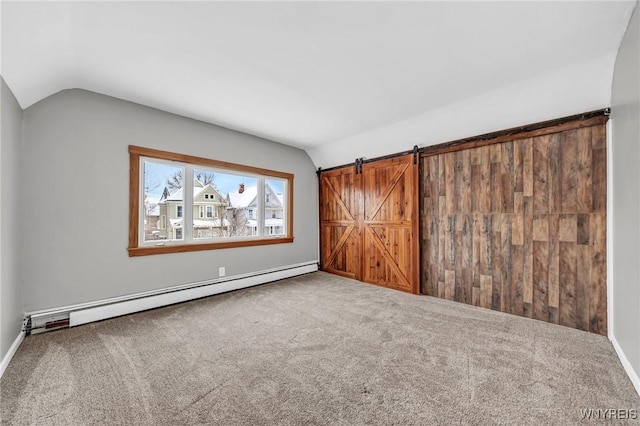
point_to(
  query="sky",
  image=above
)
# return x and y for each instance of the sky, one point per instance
(156, 176)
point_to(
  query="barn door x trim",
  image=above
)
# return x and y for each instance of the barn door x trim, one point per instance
(369, 222)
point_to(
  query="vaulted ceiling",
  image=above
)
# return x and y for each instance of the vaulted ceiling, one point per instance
(338, 79)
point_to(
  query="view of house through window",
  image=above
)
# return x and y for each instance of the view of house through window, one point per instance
(220, 204)
(162, 201)
(217, 195)
(274, 206)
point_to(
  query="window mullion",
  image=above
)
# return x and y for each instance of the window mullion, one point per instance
(284, 213)
(188, 203)
(260, 206)
(143, 190)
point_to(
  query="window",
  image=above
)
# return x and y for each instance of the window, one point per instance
(161, 201)
(226, 203)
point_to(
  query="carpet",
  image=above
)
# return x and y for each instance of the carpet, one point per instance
(317, 349)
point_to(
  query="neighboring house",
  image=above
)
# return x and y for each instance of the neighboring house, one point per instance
(151, 219)
(209, 213)
(242, 211)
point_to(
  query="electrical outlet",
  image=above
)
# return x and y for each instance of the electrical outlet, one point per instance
(221, 271)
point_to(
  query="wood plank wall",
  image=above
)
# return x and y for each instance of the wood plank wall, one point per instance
(520, 227)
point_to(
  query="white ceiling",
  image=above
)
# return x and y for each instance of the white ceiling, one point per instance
(333, 78)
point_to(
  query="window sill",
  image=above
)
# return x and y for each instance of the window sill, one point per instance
(183, 248)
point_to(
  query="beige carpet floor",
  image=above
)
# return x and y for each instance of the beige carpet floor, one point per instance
(315, 349)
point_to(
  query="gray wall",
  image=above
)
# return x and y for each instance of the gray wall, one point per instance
(626, 193)
(10, 194)
(76, 168)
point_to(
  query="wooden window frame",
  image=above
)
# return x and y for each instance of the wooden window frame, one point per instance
(135, 249)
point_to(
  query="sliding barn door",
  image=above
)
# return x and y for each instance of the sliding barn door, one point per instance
(390, 223)
(340, 236)
(520, 227)
(369, 223)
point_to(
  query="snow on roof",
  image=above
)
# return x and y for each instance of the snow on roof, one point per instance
(238, 200)
(209, 223)
(176, 196)
(267, 222)
(197, 189)
(177, 223)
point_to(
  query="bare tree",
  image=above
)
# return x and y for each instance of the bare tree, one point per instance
(207, 178)
(232, 224)
(238, 223)
(176, 181)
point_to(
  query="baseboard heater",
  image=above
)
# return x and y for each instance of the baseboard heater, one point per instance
(73, 315)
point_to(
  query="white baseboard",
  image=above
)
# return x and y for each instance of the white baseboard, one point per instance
(142, 302)
(12, 351)
(633, 375)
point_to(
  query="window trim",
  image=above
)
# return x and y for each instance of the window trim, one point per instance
(135, 249)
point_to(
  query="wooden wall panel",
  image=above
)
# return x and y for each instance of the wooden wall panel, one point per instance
(520, 227)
